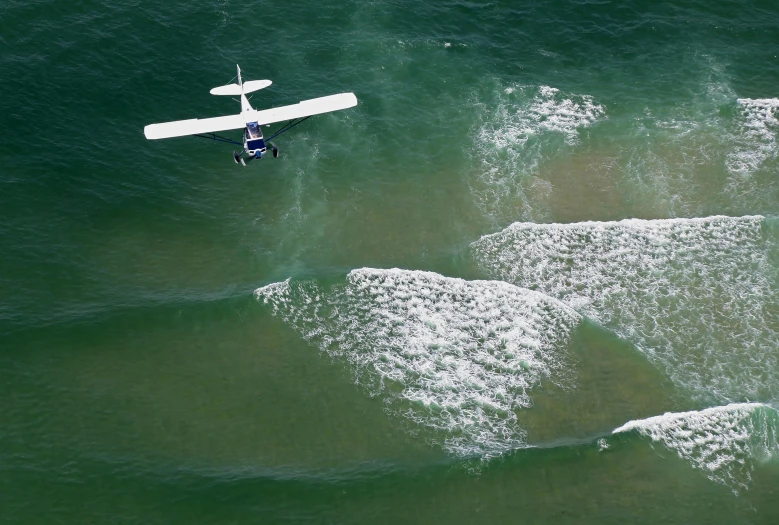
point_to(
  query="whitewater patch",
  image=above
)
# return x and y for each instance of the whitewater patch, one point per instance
(458, 358)
(726, 443)
(755, 140)
(696, 296)
(549, 111)
(525, 125)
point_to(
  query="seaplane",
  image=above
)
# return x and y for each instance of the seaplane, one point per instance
(255, 145)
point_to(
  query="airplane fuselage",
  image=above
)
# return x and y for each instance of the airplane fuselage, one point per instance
(253, 141)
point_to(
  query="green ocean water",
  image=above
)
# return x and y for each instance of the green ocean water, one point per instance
(533, 277)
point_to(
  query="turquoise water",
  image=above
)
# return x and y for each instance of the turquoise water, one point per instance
(531, 277)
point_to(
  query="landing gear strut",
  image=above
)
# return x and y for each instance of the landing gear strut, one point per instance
(239, 159)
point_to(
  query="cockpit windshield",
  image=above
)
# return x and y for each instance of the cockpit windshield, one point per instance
(253, 130)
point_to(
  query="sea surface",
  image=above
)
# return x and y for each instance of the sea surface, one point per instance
(533, 277)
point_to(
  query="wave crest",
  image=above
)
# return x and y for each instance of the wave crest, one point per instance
(456, 357)
(695, 295)
(724, 442)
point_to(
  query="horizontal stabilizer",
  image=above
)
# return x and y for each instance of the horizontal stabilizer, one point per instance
(234, 89)
(251, 86)
(229, 89)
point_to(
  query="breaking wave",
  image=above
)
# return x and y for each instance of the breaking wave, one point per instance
(725, 442)
(456, 357)
(697, 296)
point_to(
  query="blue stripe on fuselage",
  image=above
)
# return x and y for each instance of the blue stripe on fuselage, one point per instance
(255, 144)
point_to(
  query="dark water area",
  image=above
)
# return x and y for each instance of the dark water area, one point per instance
(532, 276)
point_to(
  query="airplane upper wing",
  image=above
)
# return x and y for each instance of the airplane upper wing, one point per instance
(315, 106)
(180, 128)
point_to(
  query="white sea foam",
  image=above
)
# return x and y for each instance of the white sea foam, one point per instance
(756, 140)
(517, 117)
(508, 136)
(725, 442)
(695, 295)
(457, 357)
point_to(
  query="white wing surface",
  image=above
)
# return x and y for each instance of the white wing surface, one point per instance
(315, 106)
(229, 89)
(248, 87)
(180, 128)
(251, 86)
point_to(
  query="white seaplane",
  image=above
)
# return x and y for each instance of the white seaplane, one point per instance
(250, 120)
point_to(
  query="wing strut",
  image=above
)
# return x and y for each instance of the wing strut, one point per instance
(214, 136)
(288, 126)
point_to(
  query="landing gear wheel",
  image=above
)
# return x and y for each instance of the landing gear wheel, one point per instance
(275, 150)
(236, 157)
